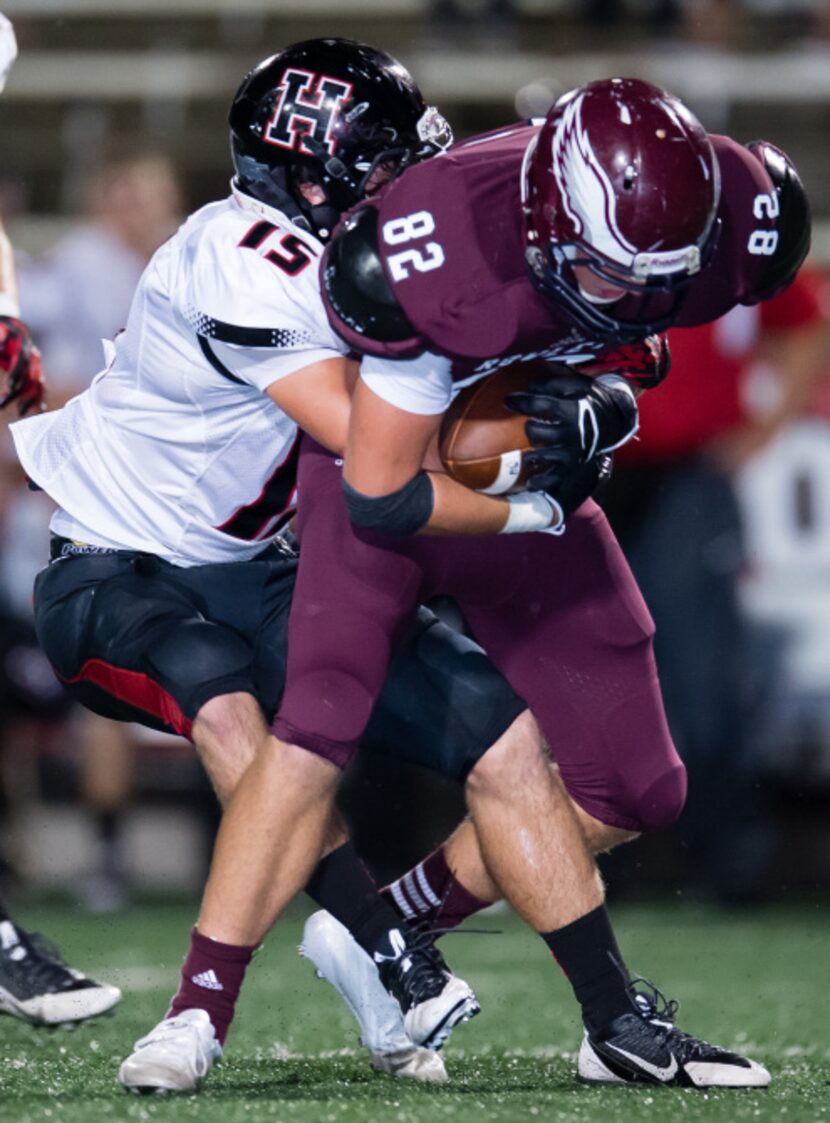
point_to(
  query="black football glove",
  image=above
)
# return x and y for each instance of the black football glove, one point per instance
(21, 377)
(644, 365)
(573, 419)
(568, 487)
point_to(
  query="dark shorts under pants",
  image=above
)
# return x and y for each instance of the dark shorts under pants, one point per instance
(137, 639)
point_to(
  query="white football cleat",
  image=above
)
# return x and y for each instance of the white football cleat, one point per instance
(176, 1056)
(343, 963)
(38, 987)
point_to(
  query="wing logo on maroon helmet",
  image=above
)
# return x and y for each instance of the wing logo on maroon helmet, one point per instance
(587, 193)
(307, 108)
(590, 202)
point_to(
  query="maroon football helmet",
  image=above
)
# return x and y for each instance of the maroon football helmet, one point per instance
(622, 181)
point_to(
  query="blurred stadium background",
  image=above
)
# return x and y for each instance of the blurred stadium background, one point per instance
(113, 124)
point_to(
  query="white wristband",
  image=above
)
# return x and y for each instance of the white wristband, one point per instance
(9, 306)
(533, 510)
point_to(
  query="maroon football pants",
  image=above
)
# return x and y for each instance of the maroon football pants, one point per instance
(561, 618)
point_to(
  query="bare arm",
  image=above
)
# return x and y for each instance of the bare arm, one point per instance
(386, 448)
(318, 398)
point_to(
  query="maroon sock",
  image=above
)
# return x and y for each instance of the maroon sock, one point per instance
(212, 975)
(431, 892)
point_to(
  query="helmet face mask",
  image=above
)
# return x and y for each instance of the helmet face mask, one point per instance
(332, 113)
(620, 184)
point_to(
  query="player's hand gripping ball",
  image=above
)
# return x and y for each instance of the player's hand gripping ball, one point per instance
(21, 376)
(532, 423)
(488, 446)
(483, 443)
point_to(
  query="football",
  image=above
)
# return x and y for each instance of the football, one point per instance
(481, 440)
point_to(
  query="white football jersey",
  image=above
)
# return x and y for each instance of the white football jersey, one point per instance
(175, 449)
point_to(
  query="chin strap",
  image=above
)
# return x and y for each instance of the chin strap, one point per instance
(268, 185)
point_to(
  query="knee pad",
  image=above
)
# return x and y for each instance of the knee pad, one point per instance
(326, 712)
(659, 805)
(666, 798)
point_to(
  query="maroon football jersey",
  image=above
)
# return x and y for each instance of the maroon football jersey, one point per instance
(451, 240)
(747, 236)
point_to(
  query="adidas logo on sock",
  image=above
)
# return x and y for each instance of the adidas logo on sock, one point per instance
(208, 980)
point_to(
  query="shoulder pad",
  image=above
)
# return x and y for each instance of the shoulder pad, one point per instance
(356, 287)
(793, 223)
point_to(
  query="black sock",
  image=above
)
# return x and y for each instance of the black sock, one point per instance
(342, 885)
(587, 952)
(107, 823)
(3, 914)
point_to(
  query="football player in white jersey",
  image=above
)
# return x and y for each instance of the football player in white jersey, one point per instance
(168, 595)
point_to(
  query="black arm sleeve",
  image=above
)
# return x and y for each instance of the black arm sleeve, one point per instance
(400, 513)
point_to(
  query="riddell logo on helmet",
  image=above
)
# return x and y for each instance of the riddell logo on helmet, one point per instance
(307, 108)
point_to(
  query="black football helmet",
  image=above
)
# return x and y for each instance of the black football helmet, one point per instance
(331, 112)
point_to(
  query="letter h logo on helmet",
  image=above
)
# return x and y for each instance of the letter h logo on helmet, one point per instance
(307, 108)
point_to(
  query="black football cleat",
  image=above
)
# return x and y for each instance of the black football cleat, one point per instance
(433, 1000)
(38, 987)
(644, 1047)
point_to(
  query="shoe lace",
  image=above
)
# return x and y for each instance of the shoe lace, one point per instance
(659, 1012)
(419, 973)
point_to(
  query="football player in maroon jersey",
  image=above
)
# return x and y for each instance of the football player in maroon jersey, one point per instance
(614, 219)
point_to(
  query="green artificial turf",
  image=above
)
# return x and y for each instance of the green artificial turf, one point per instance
(755, 981)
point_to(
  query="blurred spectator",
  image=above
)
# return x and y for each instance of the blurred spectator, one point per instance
(713, 23)
(487, 23)
(81, 293)
(673, 505)
(661, 15)
(73, 299)
(716, 22)
(785, 501)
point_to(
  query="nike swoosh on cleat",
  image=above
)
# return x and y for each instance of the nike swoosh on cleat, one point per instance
(658, 1072)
